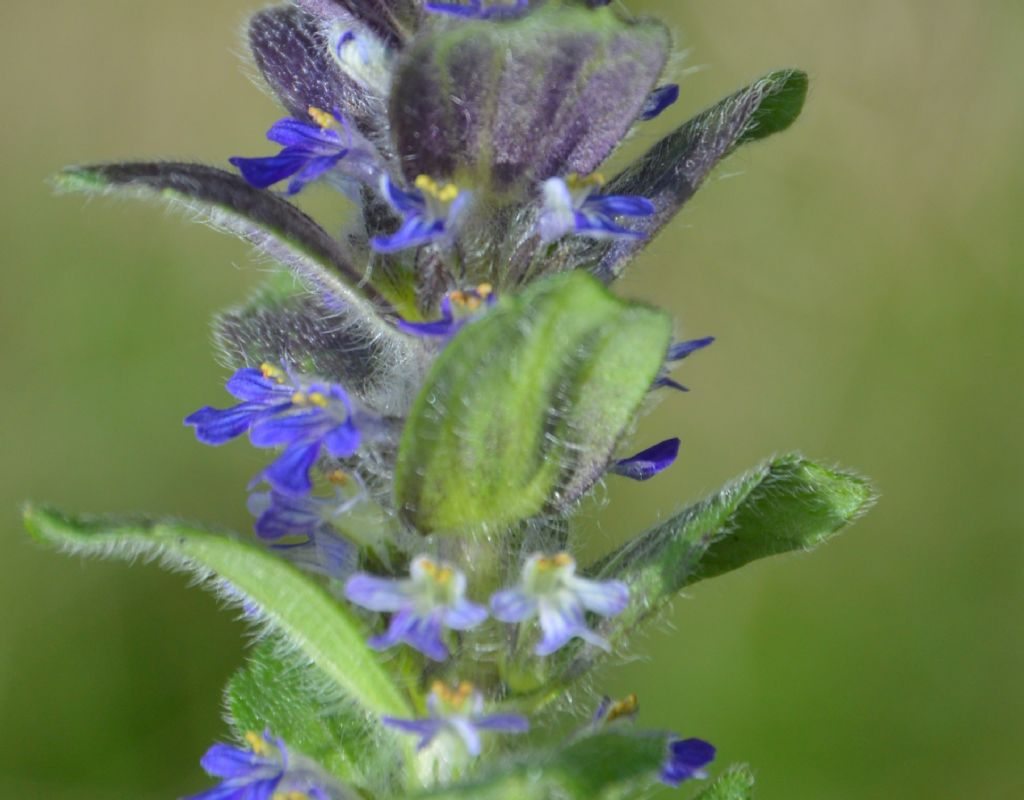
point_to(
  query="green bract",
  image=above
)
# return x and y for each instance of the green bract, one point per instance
(522, 410)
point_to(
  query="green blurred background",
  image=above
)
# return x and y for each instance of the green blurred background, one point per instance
(862, 273)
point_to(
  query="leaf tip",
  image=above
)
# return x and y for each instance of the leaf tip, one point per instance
(784, 93)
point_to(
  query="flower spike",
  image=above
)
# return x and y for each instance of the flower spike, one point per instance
(551, 591)
(430, 599)
(458, 712)
(573, 206)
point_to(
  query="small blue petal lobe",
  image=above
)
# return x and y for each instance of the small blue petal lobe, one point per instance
(658, 100)
(648, 463)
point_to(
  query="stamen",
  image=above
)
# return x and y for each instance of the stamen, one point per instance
(318, 399)
(453, 697)
(271, 372)
(626, 707)
(257, 744)
(299, 398)
(445, 193)
(321, 117)
(338, 477)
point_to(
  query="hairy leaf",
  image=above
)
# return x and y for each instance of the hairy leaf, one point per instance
(788, 504)
(671, 172)
(602, 766)
(279, 691)
(551, 93)
(267, 221)
(286, 324)
(521, 411)
(301, 611)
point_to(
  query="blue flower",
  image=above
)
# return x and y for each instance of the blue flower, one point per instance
(321, 549)
(572, 206)
(676, 353)
(647, 463)
(686, 759)
(458, 712)
(278, 409)
(430, 599)
(429, 213)
(658, 100)
(310, 151)
(457, 308)
(550, 590)
(475, 9)
(264, 771)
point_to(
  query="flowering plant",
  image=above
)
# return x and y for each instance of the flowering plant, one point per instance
(442, 385)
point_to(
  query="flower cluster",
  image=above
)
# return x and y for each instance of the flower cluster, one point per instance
(444, 384)
(434, 212)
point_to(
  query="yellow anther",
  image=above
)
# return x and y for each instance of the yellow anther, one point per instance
(626, 707)
(289, 796)
(454, 697)
(554, 562)
(318, 399)
(257, 744)
(485, 290)
(271, 372)
(440, 574)
(338, 477)
(300, 398)
(457, 297)
(321, 117)
(445, 192)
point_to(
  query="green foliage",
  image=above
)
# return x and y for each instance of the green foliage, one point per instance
(300, 610)
(282, 692)
(522, 409)
(603, 766)
(787, 504)
(782, 95)
(736, 784)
